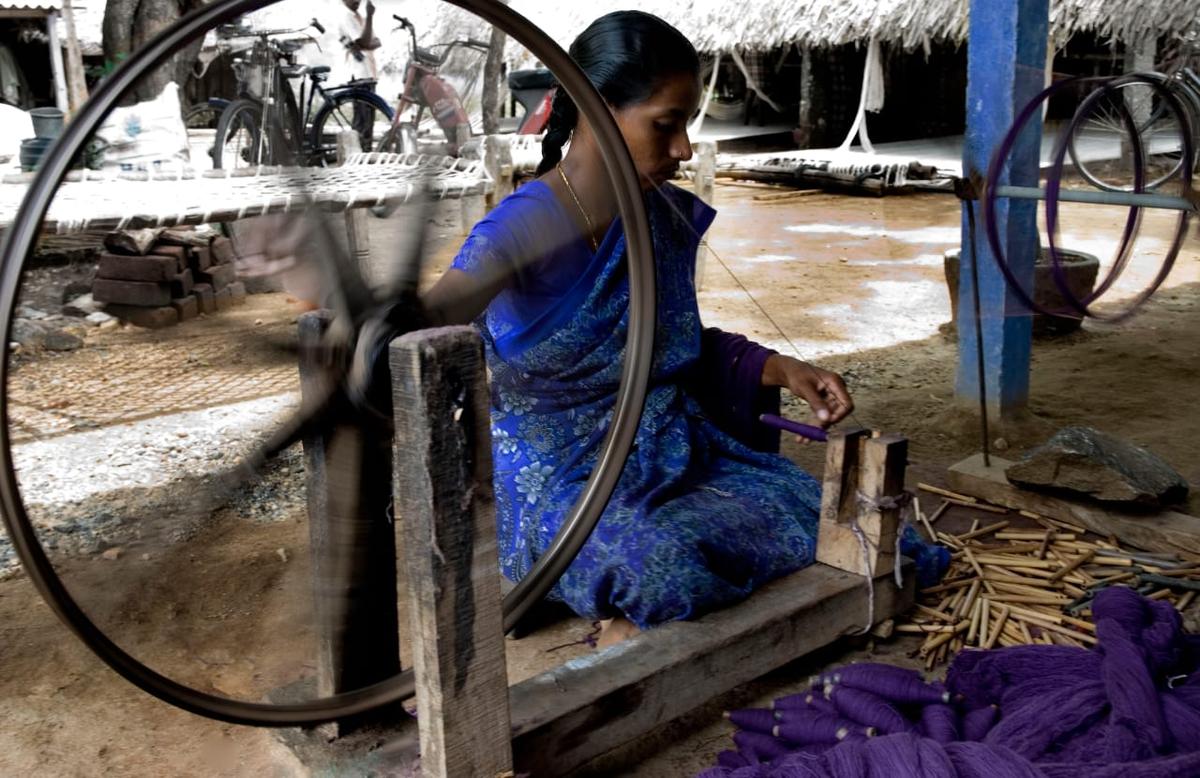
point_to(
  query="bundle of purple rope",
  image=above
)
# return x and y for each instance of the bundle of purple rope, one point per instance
(1128, 708)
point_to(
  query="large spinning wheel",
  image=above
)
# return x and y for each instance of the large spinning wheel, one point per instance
(365, 322)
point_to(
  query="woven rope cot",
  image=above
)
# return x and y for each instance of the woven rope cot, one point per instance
(91, 200)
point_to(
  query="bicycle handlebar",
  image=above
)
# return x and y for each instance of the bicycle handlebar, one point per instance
(228, 32)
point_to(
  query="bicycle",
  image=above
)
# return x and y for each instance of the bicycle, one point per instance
(425, 89)
(1115, 109)
(266, 124)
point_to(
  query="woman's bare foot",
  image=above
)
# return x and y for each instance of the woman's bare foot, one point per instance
(613, 631)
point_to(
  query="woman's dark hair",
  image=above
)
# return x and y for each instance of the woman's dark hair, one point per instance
(626, 55)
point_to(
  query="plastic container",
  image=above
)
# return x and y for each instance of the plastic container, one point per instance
(47, 122)
(32, 151)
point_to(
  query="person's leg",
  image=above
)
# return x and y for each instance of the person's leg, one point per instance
(363, 121)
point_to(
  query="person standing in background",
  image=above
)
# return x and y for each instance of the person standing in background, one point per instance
(356, 33)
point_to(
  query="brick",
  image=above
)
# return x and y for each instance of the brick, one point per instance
(142, 293)
(222, 251)
(183, 236)
(148, 268)
(181, 285)
(204, 298)
(186, 307)
(154, 318)
(237, 291)
(223, 298)
(218, 276)
(180, 254)
(200, 260)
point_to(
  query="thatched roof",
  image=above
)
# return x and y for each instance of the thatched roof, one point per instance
(720, 25)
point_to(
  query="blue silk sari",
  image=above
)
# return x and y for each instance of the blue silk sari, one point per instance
(698, 519)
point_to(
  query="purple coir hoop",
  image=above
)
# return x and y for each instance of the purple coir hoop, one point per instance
(1075, 309)
(1132, 221)
(1054, 182)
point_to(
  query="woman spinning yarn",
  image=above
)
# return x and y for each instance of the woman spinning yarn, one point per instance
(704, 511)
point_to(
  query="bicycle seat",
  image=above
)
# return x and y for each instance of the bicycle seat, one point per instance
(319, 70)
(538, 78)
(426, 57)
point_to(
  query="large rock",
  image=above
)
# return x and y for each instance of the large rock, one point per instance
(1084, 460)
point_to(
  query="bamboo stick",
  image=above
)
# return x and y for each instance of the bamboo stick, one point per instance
(1037, 583)
(975, 533)
(924, 628)
(964, 498)
(1016, 588)
(1014, 561)
(1021, 534)
(979, 506)
(979, 570)
(921, 518)
(1041, 554)
(984, 619)
(942, 638)
(935, 614)
(1072, 565)
(946, 587)
(937, 514)
(1025, 632)
(1031, 598)
(976, 612)
(994, 632)
(1003, 548)
(1185, 601)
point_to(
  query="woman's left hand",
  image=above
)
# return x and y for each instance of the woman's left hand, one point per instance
(823, 390)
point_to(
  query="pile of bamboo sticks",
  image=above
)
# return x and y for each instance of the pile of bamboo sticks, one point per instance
(1010, 586)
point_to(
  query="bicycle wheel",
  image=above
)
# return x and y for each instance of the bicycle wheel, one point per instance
(368, 116)
(1100, 146)
(399, 139)
(237, 142)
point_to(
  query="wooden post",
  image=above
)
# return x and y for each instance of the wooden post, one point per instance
(806, 123)
(497, 159)
(446, 512)
(1006, 54)
(56, 63)
(76, 80)
(861, 469)
(358, 231)
(706, 178)
(347, 474)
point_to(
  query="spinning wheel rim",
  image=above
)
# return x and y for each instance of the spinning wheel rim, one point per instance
(575, 530)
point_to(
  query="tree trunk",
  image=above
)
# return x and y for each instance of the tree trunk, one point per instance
(130, 24)
(493, 72)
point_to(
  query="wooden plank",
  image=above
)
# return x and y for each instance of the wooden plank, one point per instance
(576, 712)
(1165, 531)
(445, 513)
(352, 544)
(873, 467)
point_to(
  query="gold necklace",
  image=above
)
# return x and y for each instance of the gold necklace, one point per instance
(587, 219)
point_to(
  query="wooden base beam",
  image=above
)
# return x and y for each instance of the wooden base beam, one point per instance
(1165, 531)
(567, 716)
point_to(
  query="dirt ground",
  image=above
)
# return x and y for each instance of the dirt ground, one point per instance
(855, 283)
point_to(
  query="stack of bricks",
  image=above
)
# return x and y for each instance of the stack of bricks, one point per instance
(174, 277)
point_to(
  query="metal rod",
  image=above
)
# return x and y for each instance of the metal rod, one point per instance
(1142, 199)
(981, 373)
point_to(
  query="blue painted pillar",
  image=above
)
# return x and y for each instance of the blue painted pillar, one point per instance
(1006, 58)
